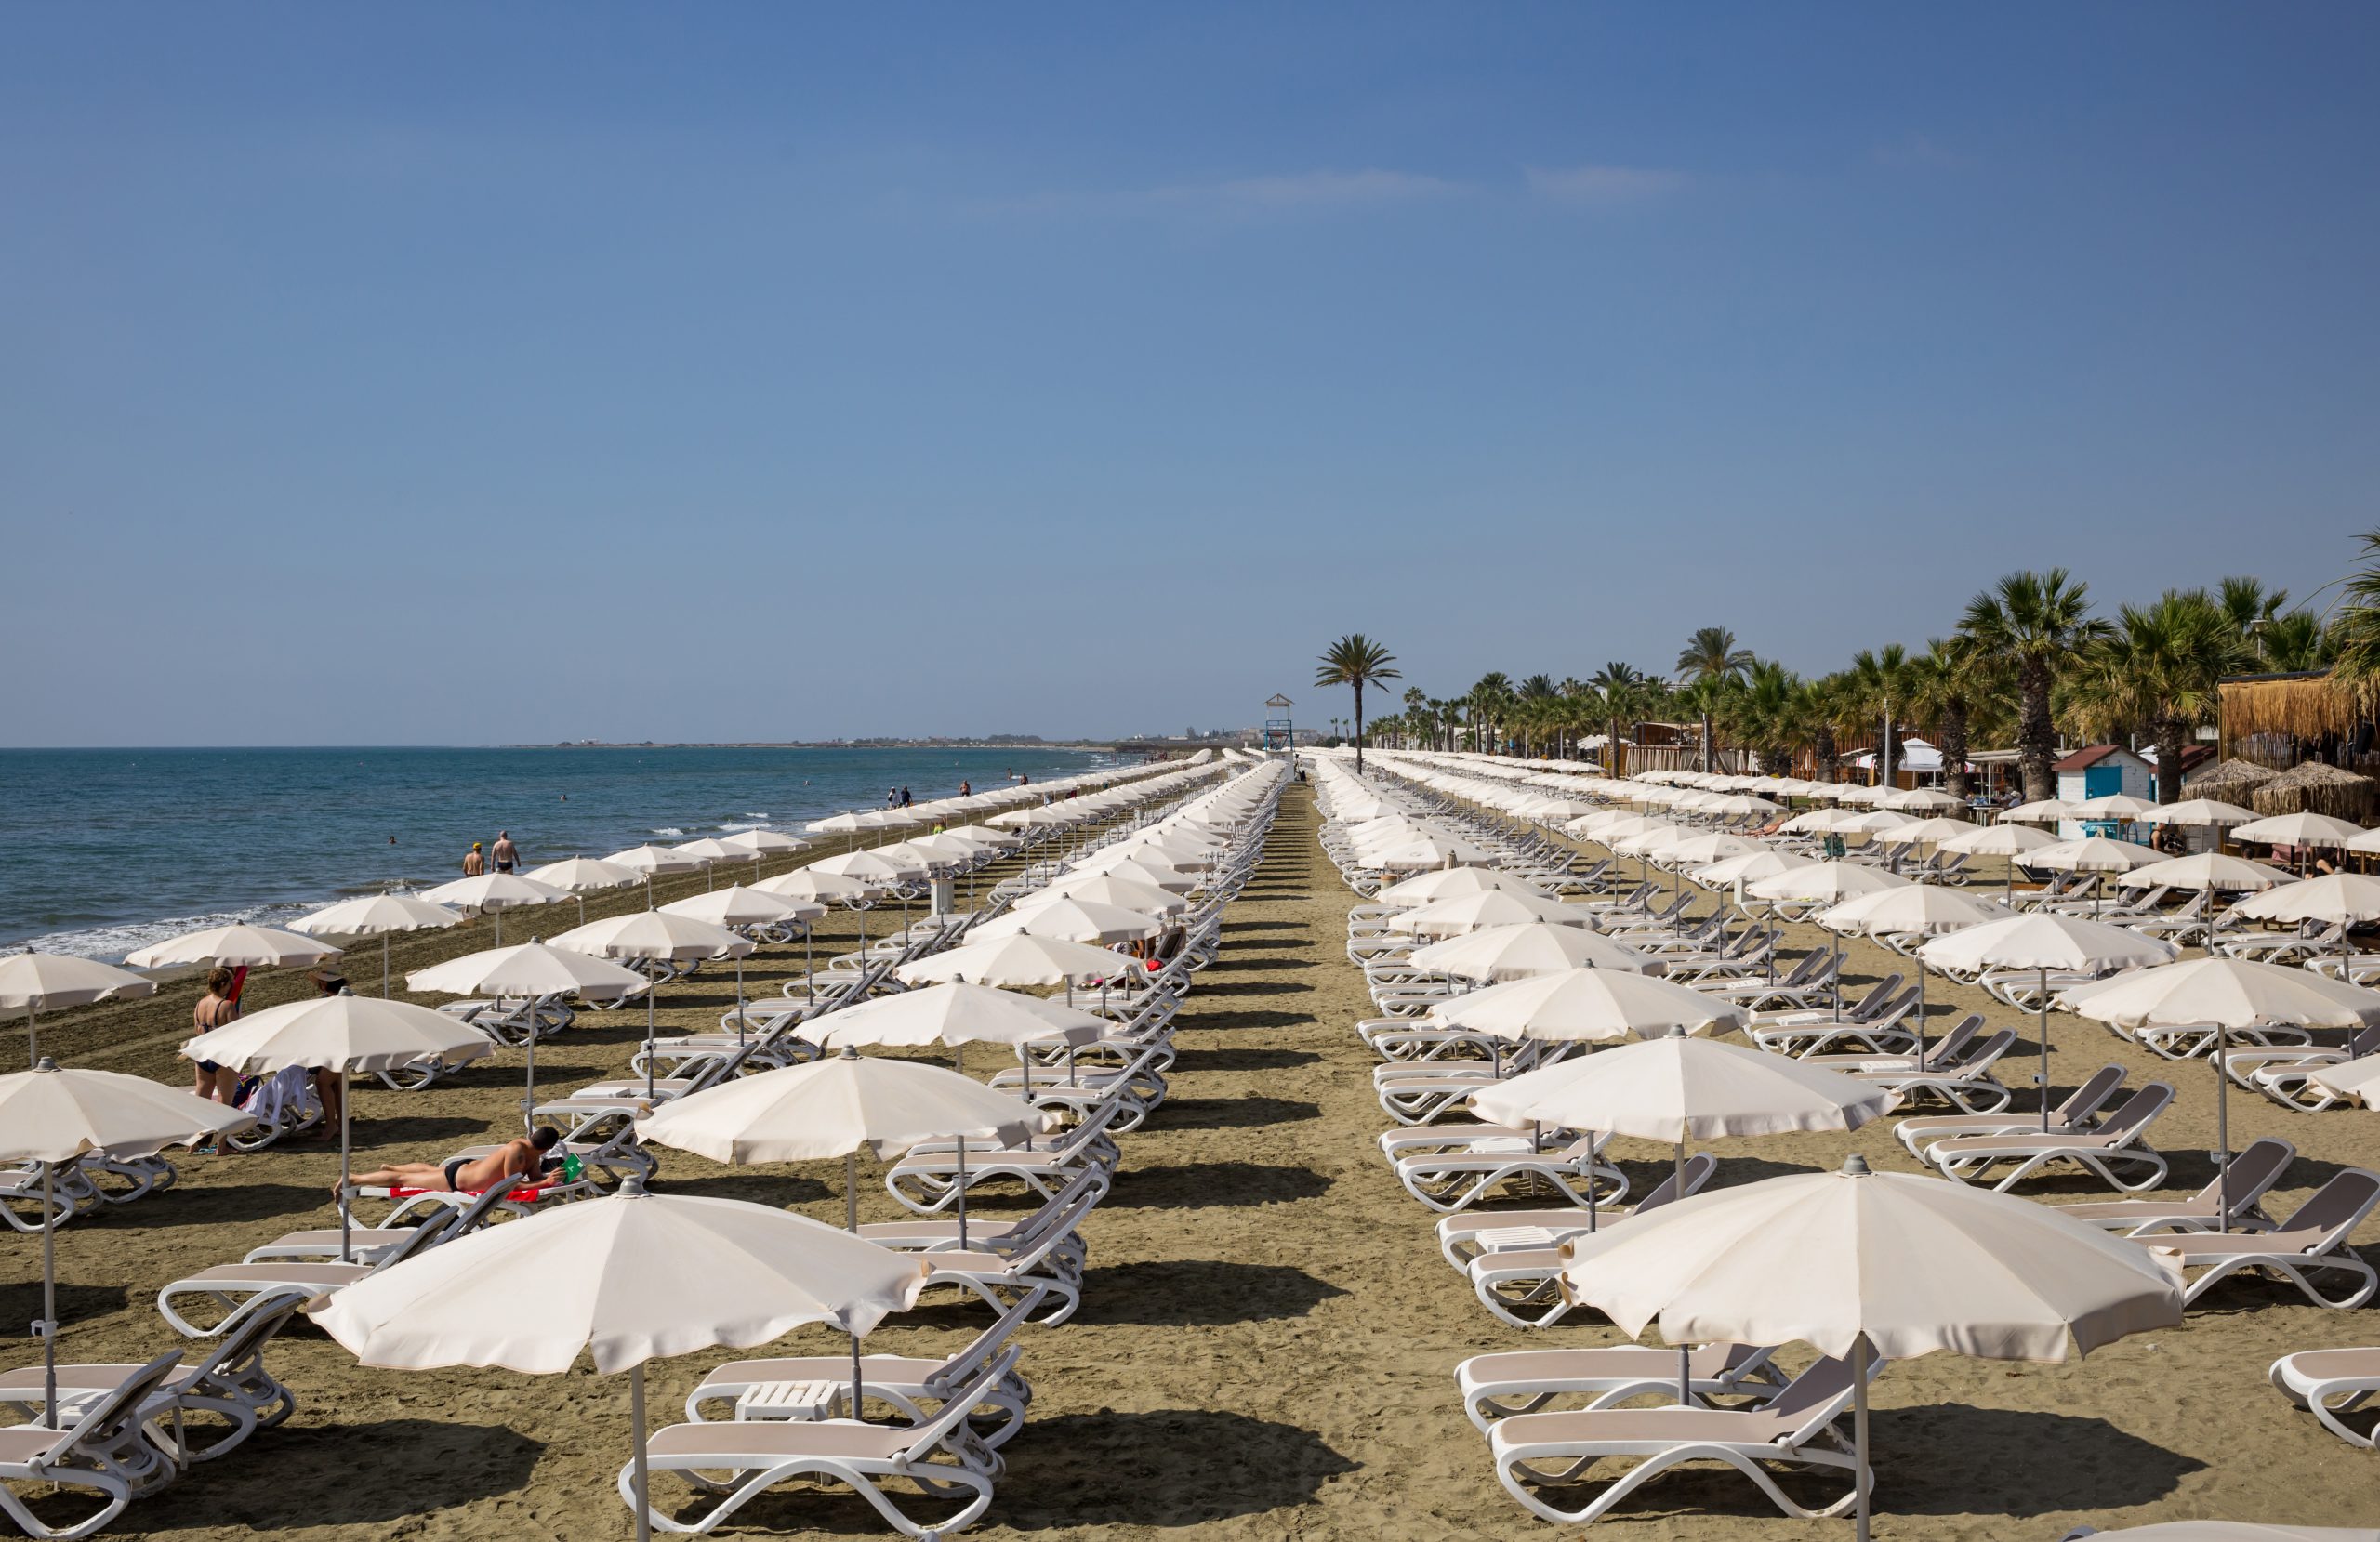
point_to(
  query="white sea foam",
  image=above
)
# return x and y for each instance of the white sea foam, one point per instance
(669, 830)
(112, 942)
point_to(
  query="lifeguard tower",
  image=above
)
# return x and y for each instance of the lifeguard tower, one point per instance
(1278, 733)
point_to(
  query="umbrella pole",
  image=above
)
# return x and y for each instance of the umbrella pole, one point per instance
(346, 1208)
(2222, 1134)
(962, 1193)
(650, 987)
(498, 916)
(530, 1101)
(1685, 1351)
(1920, 1011)
(384, 965)
(636, 1432)
(48, 1326)
(740, 1001)
(1860, 1351)
(2041, 983)
(33, 1040)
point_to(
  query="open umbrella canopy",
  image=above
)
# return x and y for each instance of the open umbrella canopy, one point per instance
(765, 842)
(338, 1032)
(2302, 828)
(1925, 908)
(1429, 851)
(709, 851)
(835, 1106)
(2199, 810)
(1462, 913)
(647, 860)
(1915, 1264)
(2047, 811)
(2205, 870)
(494, 891)
(527, 969)
(1921, 801)
(2115, 806)
(1826, 882)
(2045, 941)
(583, 876)
(1702, 851)
(2357, 1078)
(1531, 948)
(1020, 961)
(1751, 868)
(807, 883)
(2352, 898)
(739, 907)
(1998, 840)
(1108, 890)
(43, 981)
(377, 915)
(873, 867)
(1073, 920)
(630, 1277)
(2234, 992)
(2093, 854)
(1678, 1088)
(255, 947)
(653, 934)
(953, 1013)
(1133, 869)
(1453, 882)
(1595, 1005)
(1929, 832)
(47, 1115)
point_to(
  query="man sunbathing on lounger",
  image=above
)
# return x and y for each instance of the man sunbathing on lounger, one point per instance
(522, 1158)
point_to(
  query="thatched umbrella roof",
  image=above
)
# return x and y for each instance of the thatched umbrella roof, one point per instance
(2314, 787)
(2228, 779)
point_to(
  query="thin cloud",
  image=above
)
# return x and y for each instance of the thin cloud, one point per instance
(1601, 186)
(1310, 189)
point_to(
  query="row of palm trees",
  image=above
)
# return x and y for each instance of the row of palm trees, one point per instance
(2029, 661)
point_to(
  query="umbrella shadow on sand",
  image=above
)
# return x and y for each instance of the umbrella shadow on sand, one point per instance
(20, 1302)
(1955, 1458)
(219, 1204)
(315, 1479)
(1244, 1060)
(1247, 1113)
(1213, 1185)
(1199, 1292)
(1166, 1467)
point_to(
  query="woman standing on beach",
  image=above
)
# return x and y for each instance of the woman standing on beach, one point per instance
(216, 1009)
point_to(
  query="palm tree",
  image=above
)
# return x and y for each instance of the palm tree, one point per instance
(1764, 714)
(1825, 701)
(2159, 671)
(1615, 688)
(1710, 655)
(1491, 696)
(2033, 624)
(1943, 685)
(1358, 661)
(1880, 677)
(2293, 641)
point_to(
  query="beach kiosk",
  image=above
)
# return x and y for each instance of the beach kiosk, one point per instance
(2097, 772)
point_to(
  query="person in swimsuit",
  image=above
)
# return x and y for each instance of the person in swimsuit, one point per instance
(523, 1158)
(473, 863)
(326, 1083)
(218, 1009)
(504, 851)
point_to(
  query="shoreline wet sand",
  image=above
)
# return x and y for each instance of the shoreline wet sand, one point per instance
(1267, 1339)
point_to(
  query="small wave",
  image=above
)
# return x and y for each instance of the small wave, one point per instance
(669, 830)
(762, 817)
(759, 823)
(112, 942)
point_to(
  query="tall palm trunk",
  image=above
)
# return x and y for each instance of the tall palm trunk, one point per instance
(2036, 739)
(2169, 758)
(1955, 750)
(1826, 759)
(1359, 727)
(1885, 755)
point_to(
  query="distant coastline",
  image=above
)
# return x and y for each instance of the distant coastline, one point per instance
(1086, 746)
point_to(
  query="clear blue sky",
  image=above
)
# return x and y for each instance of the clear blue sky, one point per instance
(445, 372)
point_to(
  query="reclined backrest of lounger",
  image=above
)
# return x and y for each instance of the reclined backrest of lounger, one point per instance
(2253, 1173)
(2338, 1207)
(2091, 1096)
(1957, 1040)
(112, 1410)
(1876, 1002)
(1812, 1400)
(968, 1362)
(2134, 1112)
(1698, 1168)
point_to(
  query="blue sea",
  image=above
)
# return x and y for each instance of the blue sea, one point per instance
(104, 850)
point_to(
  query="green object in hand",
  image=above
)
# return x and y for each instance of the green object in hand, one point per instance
(572, 1168)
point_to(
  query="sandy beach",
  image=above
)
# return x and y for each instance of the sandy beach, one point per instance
(1268, 1336)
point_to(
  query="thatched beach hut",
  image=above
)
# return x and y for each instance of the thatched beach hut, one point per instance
(2316, 787)
(2230, 781)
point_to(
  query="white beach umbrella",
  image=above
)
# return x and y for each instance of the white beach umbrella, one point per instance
(659, 934)
(1134, 870)
(1918, 909)
(1998, 840)
(628, 1278)
(2205, 870)
(954, 1014)
(1749, 868)
(649, 862)
(1826, 883)
(1929, 832)
(2120, 807)
(583, 874)
(2047, 811)
(1586, 1005)
(1920, 800)
(1070, 919)
(235, 946)
(53, 1117)
(1531, 948)
(1020, 961)
(2351, 899)
(1462, 913)
(2042, 942)
(2212, 812)
(381, 916)
(1412, 856)
(833, 1107)
(2093, 854)
(32, 982)
(1859, 1263)
(737, 905)
(344, 1033)
(494, 893)
(2299, 829)
(2223, 994)
(807, 883)
(1445, 884)
(1702, 849)
(529, 969)
(764, 843)
(1108, 889)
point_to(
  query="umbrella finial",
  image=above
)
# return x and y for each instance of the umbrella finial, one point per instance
(632, 1186)
(46, 1063)
(849, 1053)
(1856, 1166)
(1677, 1030)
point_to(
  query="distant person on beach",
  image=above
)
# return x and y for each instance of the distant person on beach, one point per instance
(523, 1158)
(891, 797)
(218, 1009)
(966, 789)
(504, 851)
(906, 799)
(327, 1087)
(473, 863)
